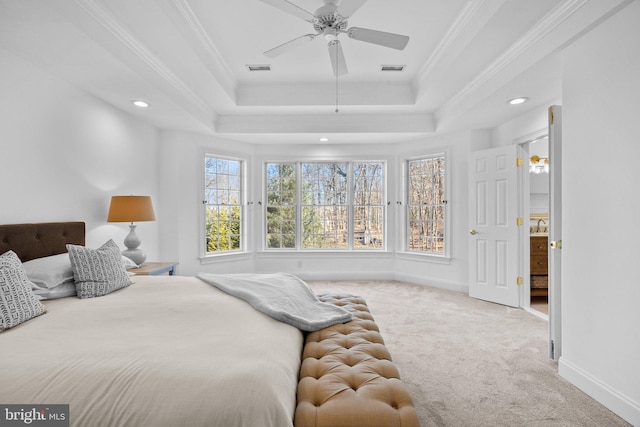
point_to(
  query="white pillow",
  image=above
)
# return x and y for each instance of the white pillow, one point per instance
(128, 263)
(67, 289)
(97, 272)
(49, 272)
(17, 301)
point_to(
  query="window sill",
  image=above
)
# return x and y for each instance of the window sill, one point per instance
(283, 253)
(225, 257)
(436, 259)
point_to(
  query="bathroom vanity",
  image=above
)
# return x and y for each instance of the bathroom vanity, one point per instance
(539, 268)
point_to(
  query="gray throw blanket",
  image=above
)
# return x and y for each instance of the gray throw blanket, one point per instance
(281, 296)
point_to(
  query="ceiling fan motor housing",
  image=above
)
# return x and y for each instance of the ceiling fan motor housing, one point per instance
(327, 18)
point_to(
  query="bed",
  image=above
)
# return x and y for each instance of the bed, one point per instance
(164, 351)
(176, 351)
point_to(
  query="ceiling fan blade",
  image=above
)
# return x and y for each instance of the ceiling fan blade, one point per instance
(292, 44)
(338, 62)
(348, 7)
(394, 41)
(291, 8)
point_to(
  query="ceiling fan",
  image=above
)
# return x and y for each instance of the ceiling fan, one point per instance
(329, 21)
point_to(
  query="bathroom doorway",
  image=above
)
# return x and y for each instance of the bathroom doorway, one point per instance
(539, 224)
(534, 199)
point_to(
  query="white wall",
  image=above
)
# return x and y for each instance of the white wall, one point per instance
(432, 271)
(65, 153)
(181, 180)
(601, 148)
(519, 128)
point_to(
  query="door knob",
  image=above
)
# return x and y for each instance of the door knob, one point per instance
(473, 232)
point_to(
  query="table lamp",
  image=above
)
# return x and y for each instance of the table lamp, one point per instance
(131, 209)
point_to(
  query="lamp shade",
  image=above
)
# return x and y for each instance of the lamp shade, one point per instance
(130, 209)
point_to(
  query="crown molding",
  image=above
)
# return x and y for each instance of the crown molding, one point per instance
(214, 60)
(545, 26)
(101, 15)
(460, 24)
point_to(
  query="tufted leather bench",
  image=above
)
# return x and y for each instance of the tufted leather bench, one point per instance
(347, 378)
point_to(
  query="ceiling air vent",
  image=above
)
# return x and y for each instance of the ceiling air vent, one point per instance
(262, 67)
(392, 67)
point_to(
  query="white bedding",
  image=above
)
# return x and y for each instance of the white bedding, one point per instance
(165, 351)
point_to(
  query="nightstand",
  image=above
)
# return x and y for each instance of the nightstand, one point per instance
(155, 269)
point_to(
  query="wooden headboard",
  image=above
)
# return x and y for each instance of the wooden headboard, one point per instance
(30, 241)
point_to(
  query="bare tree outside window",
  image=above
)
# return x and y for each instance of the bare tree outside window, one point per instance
(281, 205)
(336, 200)
(426, 205)
(223, 204)
(368, 211)
(324, 205)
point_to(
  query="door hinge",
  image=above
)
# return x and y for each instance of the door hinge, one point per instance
(556, 244)
(519, 221)
(551, 114)
(519, 161)
(520, 280)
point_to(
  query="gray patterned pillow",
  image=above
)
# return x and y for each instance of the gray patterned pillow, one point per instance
(97, 272)
(17, 301)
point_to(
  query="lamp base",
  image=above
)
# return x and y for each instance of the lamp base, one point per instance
(132, 241)
(136, 255)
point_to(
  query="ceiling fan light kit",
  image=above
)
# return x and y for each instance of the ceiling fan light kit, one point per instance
(330, 21)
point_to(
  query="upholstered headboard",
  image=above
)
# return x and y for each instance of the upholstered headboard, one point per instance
(30, 241)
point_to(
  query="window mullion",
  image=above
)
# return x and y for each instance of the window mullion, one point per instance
(299, 202)
(350, 203)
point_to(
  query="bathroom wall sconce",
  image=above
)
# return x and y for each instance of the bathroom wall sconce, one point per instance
(538, 164)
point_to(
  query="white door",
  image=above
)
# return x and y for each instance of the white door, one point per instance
(555, 230)
(493, 229)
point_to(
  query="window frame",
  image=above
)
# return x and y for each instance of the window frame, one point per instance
(405, 251)
(349, 206)
(203, 250)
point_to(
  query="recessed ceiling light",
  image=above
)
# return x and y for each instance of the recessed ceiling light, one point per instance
(324, 139)
(259, 67)
(516, 101)
(392, 67)
(140, 104)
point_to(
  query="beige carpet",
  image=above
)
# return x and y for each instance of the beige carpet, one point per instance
(472, 363)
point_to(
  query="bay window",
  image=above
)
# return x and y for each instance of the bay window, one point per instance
(325, 205)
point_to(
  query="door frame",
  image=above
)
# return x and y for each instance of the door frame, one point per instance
(555, 216)
(524, 193)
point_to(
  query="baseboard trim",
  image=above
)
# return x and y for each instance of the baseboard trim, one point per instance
(385, 275)
(358, 275)
(435, 283)
(616, 402)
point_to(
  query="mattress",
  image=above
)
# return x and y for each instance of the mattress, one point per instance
(165, 351)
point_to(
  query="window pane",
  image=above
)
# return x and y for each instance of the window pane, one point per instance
(368, 218)
(318, 205)
(368, 227)
(223, 204)
(324, 212)
(281, 195)
(426, 205)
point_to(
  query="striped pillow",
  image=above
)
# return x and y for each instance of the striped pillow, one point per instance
(97, 272)
(17, 301)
